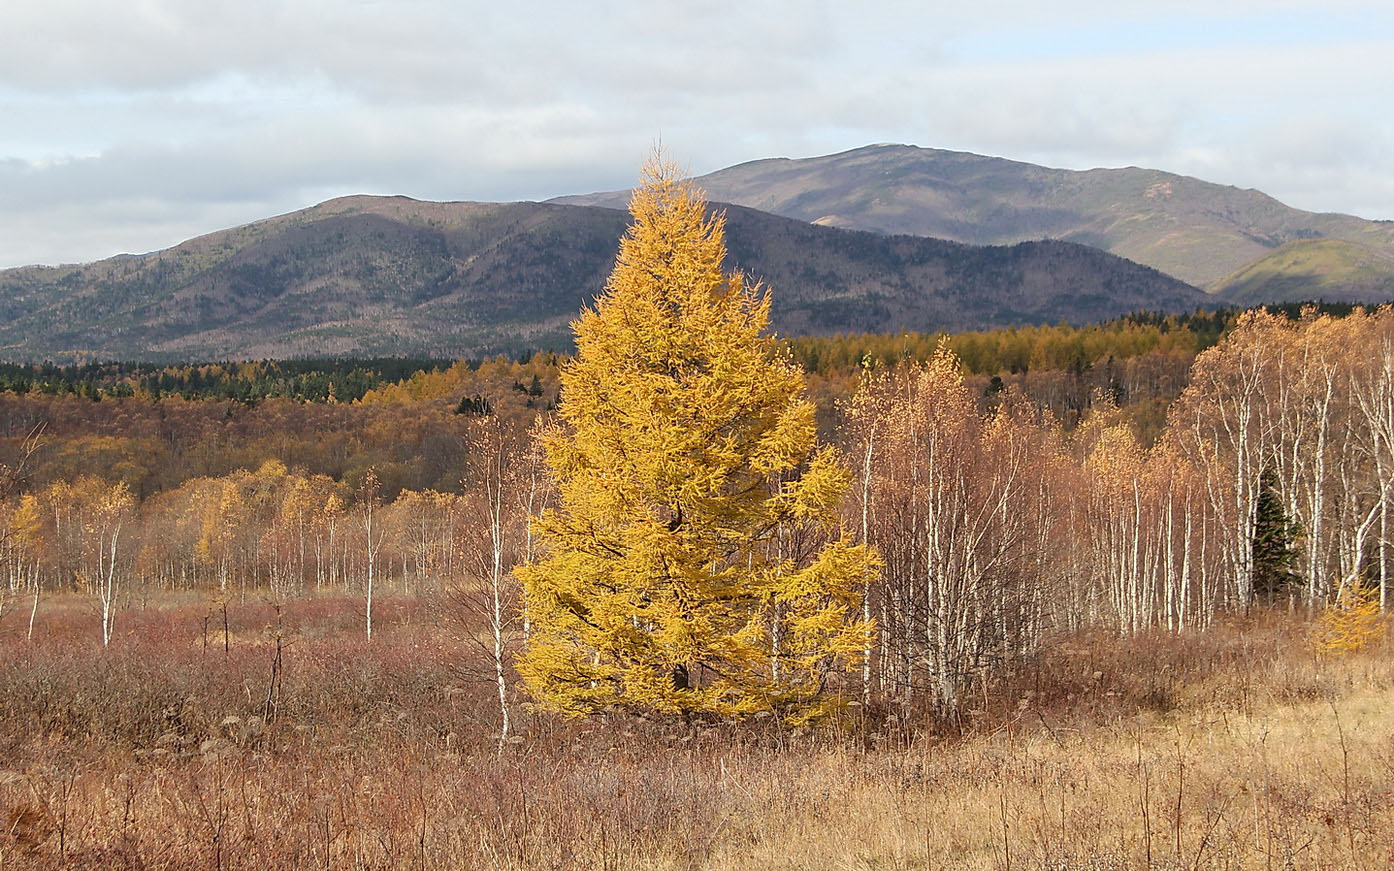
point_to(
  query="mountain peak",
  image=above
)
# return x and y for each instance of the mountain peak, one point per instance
(1194, 230)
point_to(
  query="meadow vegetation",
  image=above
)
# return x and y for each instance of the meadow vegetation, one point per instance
(178, 747)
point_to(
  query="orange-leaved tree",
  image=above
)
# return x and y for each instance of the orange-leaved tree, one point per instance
(694, 563)
(1350, 624)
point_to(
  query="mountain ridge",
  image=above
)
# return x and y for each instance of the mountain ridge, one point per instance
(384, 275)
(1195, 230)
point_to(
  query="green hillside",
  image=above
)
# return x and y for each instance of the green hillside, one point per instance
(1328, 269)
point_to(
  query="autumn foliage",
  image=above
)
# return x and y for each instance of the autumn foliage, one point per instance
(695, 562)
(1349, 624)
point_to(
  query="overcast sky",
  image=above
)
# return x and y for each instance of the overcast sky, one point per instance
(130, 126)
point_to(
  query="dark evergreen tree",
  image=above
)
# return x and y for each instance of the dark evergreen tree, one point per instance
(1274, 544)
(476, 405)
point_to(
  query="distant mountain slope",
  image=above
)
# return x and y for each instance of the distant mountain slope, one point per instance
(1190, 229)
(1329, 269)
(390, 275)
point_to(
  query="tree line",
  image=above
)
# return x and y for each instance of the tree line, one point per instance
(996, 352)
(307, 380)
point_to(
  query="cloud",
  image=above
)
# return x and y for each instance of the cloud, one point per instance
(133, 126)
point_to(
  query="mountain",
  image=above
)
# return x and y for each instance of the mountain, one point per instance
(391, 275)
(1190, 229)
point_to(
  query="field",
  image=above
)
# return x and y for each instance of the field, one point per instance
(181, 746)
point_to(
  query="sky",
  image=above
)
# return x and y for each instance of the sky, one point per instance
(130, 125)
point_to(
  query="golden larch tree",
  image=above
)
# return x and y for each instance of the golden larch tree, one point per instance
(694, 563)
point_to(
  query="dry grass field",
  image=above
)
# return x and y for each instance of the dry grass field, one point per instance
(1235, 748)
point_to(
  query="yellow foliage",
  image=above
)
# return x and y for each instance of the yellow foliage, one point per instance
(695, 563)
(26, 524)
(421, 386)
(1350, 624)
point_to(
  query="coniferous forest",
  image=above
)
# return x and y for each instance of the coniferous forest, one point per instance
(694, 596)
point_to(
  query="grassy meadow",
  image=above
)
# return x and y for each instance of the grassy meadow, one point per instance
(185, 746)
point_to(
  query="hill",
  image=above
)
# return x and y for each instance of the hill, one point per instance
(1193, 230)
(394, 276)
(1330, 269)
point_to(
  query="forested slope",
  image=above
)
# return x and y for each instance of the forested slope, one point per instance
(370, 276)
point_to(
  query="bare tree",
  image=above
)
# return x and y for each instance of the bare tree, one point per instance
(498, 493)
(367, 505)
(948, 498)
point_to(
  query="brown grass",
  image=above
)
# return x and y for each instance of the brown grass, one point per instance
(1235, 748)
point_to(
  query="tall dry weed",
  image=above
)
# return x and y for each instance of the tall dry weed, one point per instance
(1234, 748)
